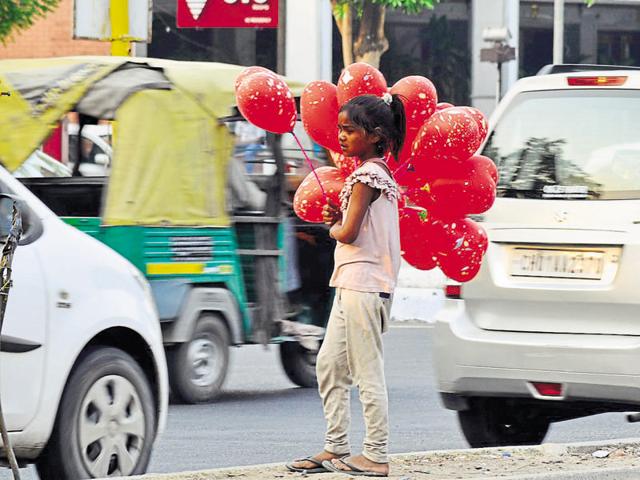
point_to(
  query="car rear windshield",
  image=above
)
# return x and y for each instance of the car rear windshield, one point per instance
(569, 144)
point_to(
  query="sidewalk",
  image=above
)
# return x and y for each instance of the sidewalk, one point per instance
(615, 460)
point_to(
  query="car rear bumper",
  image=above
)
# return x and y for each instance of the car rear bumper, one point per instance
(470, 361)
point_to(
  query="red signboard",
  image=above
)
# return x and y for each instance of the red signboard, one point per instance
(227, 13)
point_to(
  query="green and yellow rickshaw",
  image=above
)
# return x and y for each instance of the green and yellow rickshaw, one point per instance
(227, 262)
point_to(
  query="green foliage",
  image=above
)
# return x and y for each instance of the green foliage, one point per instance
(20, 14)
(407, 6)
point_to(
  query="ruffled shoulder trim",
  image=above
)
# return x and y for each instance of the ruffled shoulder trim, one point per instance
(372, 175)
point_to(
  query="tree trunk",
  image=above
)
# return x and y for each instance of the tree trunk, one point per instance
(343, 15)
(371, 42)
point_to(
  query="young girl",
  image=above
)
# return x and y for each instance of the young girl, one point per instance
(367, 259)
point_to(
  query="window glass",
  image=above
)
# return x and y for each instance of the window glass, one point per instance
(580, 144)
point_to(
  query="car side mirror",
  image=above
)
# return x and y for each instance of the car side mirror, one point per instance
(10, 218)
(101, 159)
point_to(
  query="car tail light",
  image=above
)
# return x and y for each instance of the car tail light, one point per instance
(596, 81)
(453, 291)
(548, 389)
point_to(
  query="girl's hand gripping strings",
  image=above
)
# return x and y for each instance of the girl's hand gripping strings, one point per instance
(347, 232)
(331, 213)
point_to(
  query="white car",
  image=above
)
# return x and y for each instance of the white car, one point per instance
(39, 164)
(83, 379)
(549, 330)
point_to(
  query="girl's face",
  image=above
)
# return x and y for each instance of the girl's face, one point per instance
(354, 140)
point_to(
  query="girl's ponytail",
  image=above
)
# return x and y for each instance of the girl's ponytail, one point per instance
(400, 123)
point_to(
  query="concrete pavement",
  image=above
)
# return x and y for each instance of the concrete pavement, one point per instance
(617, 460)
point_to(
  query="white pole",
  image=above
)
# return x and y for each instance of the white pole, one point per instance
(558, 31)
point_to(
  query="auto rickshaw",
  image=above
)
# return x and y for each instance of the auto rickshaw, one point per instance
(217, 272)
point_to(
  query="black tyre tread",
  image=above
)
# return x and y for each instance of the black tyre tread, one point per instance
(95, 363)
(482, 428)
(181, 388)
(296, 366)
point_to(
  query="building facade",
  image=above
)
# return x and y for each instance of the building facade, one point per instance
(443, 44)
(52, 36)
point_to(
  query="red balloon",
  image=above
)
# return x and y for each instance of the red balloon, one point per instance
(459, 268)
(346, 164)
(461, 245)
(266, 101)
(250, 71)
(481, 121)
(415, 232)
(461, 188)
(443, 105)
(308, 199)
(486, 164)
(319, 111)
(450, 134)
(461, 234)
(419, 97)
(360, 79)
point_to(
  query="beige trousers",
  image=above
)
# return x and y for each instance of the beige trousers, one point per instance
(351, 353)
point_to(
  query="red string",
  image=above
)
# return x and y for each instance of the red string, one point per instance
(324, 195)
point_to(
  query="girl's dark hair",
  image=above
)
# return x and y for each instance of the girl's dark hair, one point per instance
(375, 116)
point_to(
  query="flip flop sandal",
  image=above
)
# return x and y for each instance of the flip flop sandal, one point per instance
(319, 468)
(355, 471)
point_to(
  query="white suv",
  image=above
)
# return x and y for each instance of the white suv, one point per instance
(550, 328)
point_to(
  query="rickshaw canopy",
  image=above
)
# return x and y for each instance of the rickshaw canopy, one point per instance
(170, 149)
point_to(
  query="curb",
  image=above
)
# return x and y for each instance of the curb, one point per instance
(550, 461)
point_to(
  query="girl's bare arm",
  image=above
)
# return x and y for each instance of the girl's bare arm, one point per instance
(361, 197)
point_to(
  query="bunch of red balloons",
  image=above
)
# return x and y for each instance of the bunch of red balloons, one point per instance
(438, 171)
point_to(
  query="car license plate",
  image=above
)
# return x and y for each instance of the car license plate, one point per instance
(551, 263)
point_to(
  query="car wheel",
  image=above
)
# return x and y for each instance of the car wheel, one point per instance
(106, 421)
(490, 423)
(198, 368)
(299, 364)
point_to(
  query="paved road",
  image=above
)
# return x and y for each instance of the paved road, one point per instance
(263, 418)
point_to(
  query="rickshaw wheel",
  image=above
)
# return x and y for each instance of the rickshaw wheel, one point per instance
(299, 364)
(198, 368)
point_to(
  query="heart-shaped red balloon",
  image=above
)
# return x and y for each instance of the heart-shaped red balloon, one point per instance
(360, 79)
(346, 164)
(415, 233)
(448, 135)
(266, 101)
(250, 71)
(460, 188)
(481, 121)
(308, 200)
(319, 111)
(443, 105)
(419, 96)
(486, 164)
(460, 246)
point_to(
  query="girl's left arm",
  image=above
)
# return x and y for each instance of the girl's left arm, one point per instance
(361, 197)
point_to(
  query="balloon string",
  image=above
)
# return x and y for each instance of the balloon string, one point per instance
(402, 165)
(324, 195)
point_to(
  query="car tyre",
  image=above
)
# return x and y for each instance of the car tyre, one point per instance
(106, 421)
(498, 424)
(198, 368)
(299, 364)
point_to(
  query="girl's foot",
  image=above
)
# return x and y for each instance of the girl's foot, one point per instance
(314, 461)
(360, 464)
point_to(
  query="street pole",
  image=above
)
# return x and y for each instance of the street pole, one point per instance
(281, 38)
(119, 16)
(558, 31)
(499, 84)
